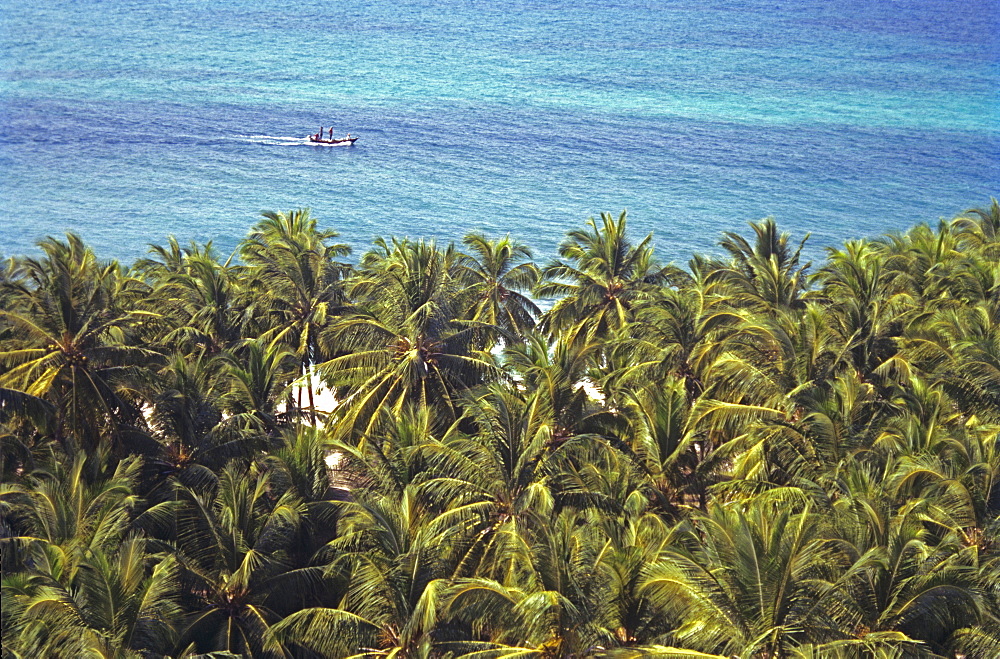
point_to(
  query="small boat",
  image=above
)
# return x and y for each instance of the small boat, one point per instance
(337, 141)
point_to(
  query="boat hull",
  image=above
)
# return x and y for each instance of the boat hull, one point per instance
(347, 141)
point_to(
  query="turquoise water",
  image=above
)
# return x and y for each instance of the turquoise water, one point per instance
(130, 121)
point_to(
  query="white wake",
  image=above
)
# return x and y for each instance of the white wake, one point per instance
(274, 140)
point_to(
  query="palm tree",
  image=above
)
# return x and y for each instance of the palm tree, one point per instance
(745, 579)
(979, 228)
(404, 343)
(564, 613)
(73, 325)
(676, 334)
(389, 554)
(497, 274)
(635, 541)
(236, 578)
(962, 348)
(925, 261)
(201, 301)
(401, 600)
(302, 467)
(902, 578)
(766, 274)
(714, 462)
(116, 602)
(76, 577)
(869, 307)
(293, 268)
(258, 380)
(930, 457)
(599, 280)
(498, 478)
(185, 419)
(661, 441)
(565, 382)
(25, 426)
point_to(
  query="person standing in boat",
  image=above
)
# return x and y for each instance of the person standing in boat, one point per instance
(331, 132)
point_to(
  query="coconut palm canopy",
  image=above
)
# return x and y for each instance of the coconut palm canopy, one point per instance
(751, 456)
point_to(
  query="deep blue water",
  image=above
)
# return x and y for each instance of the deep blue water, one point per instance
(130, 121)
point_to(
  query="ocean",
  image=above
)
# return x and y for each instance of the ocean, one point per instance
(128, 121)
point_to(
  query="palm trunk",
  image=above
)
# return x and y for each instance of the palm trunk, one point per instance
(312, 402)
(298, 402)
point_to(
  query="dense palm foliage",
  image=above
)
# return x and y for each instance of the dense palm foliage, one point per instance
(752, 456)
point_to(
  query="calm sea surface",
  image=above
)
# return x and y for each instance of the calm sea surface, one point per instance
(130, 121)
